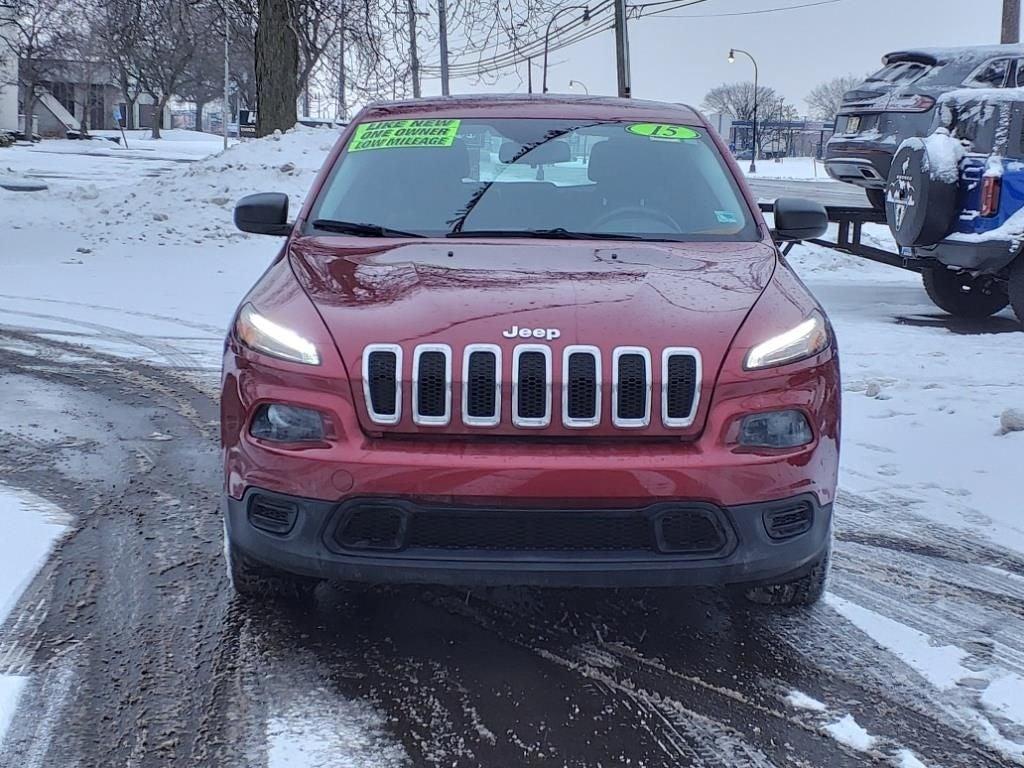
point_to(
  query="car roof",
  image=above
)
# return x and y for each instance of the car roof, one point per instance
(535, 105)
(947, 54)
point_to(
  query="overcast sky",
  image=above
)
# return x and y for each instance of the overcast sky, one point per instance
(679, 59)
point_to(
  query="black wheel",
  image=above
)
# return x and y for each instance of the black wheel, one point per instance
(254, 581)
(1015, 288)
(964, 295)
(877, 198)
(807, 590)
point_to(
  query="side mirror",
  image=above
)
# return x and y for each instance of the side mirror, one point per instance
(263, 214)
(799, 219)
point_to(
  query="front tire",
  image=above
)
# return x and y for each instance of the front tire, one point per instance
(876, 197)
(255, 581)
(1015, 288)
(963, 295)
(799, 593)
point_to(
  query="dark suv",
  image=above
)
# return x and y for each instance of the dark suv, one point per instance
(898, 102)
(955, 203)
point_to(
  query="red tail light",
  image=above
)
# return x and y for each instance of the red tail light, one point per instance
(990, 186)
(917, 103)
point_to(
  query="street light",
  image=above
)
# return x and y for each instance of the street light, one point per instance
(547, 36)
(732, 60)
(581, 85)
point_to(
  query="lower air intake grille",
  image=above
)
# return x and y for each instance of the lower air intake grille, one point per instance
(272, 515)
(525, 531)
(690, 531)
(373, 526)
(632, 387)
(381, 375)
(789, 520)
(532, 390)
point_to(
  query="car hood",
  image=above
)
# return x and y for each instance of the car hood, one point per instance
(607, 295)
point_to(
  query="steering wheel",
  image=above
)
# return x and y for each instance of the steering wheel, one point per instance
(637, 212)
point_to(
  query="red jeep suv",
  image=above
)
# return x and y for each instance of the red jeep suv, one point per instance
(530, 340)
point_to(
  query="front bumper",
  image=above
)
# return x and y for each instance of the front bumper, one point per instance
(534, 546)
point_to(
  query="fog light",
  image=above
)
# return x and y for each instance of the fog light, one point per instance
(776, 429)
(287, 424)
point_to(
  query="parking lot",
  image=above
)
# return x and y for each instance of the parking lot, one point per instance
(125, 641)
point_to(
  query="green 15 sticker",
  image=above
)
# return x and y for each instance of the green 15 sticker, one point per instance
(663, 131)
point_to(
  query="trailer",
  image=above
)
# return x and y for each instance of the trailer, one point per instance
(849, 235)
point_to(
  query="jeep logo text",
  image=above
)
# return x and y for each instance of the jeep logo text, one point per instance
(550, 334)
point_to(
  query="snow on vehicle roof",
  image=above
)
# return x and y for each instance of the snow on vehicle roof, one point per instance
(945, 55)
(536, 105)
(961, 96)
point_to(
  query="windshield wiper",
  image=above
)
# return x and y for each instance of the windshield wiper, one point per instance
(360, 230)
(558, 233)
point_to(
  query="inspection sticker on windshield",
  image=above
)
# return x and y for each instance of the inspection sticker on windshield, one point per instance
(726, 217)
(395, 134)
(663, 131)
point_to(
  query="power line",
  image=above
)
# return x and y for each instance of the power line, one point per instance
(750, 13)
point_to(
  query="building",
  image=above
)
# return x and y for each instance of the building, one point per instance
(8, 75)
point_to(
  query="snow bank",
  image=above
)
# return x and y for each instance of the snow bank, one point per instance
(1005, 696)
(940, 665)
(31, 526)
(847, 731)
(197, 201)
(10, 690)
(801, 700)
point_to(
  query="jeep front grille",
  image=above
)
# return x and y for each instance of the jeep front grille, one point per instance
(535, 379)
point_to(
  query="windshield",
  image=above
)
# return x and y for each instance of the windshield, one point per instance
(508, 177)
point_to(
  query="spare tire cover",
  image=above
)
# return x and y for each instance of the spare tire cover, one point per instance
(919, 207)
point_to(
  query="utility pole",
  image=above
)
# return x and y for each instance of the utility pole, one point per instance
(226, 108)
(442, 31)
(622, 49)
(342, 83)
(1011, 22)
(529, 75)
(414, 59)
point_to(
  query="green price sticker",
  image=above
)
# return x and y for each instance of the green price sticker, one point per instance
(663, 131)
(398, 134)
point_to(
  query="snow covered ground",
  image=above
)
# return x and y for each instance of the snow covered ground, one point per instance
(138, 256)
(31, 526)
(787, 168)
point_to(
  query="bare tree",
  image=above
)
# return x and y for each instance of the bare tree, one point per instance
(277, 66)
(118, 24)
(826, 98)
(737, 100)
(38, 35)
(203, 80)
(174, 30)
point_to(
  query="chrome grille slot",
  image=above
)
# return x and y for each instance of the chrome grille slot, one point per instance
(631, 387)
(432, 384)
(680, 386)
(481, 385)
(581, 386)
(382, 382)
(531, 385)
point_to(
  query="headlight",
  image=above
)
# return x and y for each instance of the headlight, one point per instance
(805, 340)
(264, 335)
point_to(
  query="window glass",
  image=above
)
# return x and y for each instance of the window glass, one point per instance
(645, 181)
(991, 74)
